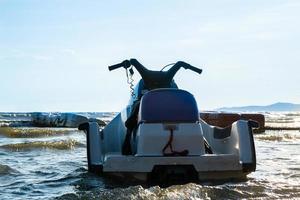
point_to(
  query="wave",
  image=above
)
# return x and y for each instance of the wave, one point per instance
(4, 124)
(5, 170)
(278, 137)
(282, 127)
(30, 132)
(280, 121)
(295, 114)
(188, 191)
(59, 145)
(52, 119)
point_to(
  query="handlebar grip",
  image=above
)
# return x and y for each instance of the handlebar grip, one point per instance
(195, 69)
(124, 64)
(116, 66)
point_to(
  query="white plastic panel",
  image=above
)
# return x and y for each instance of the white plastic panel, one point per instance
(204, 163)
(245, 142)
(94, 144)
(114, 134)
(228, 145)
(238, 143)
(152, 137)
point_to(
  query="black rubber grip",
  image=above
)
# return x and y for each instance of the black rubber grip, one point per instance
(116, 66)
(195, 69)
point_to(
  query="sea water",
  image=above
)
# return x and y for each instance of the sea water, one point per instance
(51, 163)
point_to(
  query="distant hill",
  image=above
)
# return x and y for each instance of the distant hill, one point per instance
(277, 107)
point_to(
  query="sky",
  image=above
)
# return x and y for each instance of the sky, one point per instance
(54, 53)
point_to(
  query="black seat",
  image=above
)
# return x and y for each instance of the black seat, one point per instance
(168, 105)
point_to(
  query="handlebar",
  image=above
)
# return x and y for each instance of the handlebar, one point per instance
(195, 69)
(125, 64)
(155, 79)
(116, 66)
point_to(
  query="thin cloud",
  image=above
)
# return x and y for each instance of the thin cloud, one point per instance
(41, 57)
(68, 51)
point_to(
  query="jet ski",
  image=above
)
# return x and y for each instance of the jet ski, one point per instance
(160, 137)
